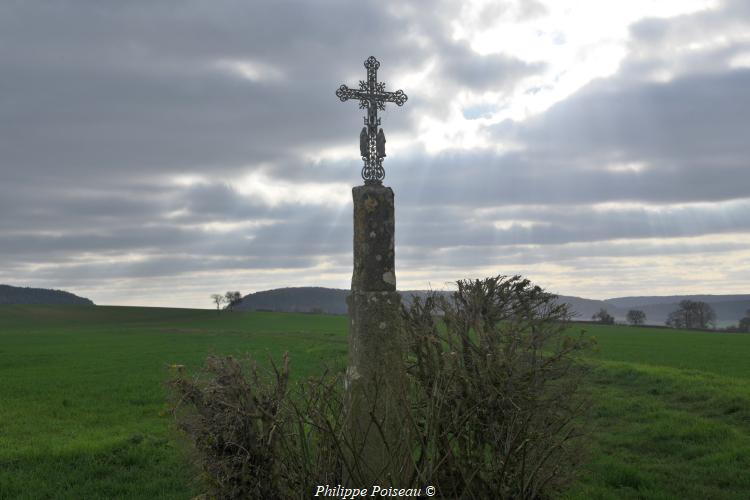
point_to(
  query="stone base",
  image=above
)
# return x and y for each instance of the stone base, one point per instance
(375, 389)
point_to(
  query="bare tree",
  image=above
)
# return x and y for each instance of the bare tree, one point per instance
(232, 298)
(692, 314)
(636, 317)
(218, 300)
(604, 317)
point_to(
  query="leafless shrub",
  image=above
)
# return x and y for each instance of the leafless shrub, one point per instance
(235, 422)
(254, 435)
(491, 406)
(496, 390)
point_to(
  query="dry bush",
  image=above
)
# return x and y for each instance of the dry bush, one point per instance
(253, 436)
(492, 406)
(496, 390)
(234, 422)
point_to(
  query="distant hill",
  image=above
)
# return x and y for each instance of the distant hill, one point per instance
(583, 309)
(21, 295)
(630, 302)
(306, 299)
(333, 301)
(298, 299)
(729, 308)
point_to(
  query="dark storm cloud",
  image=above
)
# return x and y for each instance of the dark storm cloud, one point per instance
(695, 121)
(310, 225)
(495, 72)
(576, 224)
(530, 177)
(142, 237)
(491, 72)
(96, 88)
(588, 257)
(139, 88)
(158, 267)
(122, 125)
(219, 201)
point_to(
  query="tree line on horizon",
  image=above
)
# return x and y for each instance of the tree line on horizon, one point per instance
(229, 299)
(691, 314)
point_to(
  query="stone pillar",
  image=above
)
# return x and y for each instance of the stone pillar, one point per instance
(375, 371)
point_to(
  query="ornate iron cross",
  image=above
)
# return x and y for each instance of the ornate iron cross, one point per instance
(372, 95)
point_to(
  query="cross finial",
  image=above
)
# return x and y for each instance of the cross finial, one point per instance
(372, 95)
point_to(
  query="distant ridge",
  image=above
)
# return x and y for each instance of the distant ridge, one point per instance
(306, 299)
(296, 299)
(627, 302)
(23, 295)
(333, 301)
(729, 308)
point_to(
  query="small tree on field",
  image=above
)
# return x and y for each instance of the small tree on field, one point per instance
(692, 314)
(232, 299)
(604, 317)
(636, 317)
(218, 299)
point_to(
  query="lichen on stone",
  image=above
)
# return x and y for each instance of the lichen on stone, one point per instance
(389, 277)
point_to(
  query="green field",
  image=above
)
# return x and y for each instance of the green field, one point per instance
(82, 401)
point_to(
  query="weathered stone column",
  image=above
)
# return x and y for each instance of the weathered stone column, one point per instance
(375, 371)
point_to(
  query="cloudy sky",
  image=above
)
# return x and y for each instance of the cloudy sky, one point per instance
(154, 152)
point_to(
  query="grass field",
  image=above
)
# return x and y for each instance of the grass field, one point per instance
(82, 411)
(671, 416)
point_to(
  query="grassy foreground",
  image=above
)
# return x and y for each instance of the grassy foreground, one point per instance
(671, 416)
(82, 412)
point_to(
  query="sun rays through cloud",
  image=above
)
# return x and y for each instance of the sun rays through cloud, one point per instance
(599, 147)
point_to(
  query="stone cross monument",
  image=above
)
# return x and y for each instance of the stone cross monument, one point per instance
(375, 374)
(372, 96)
